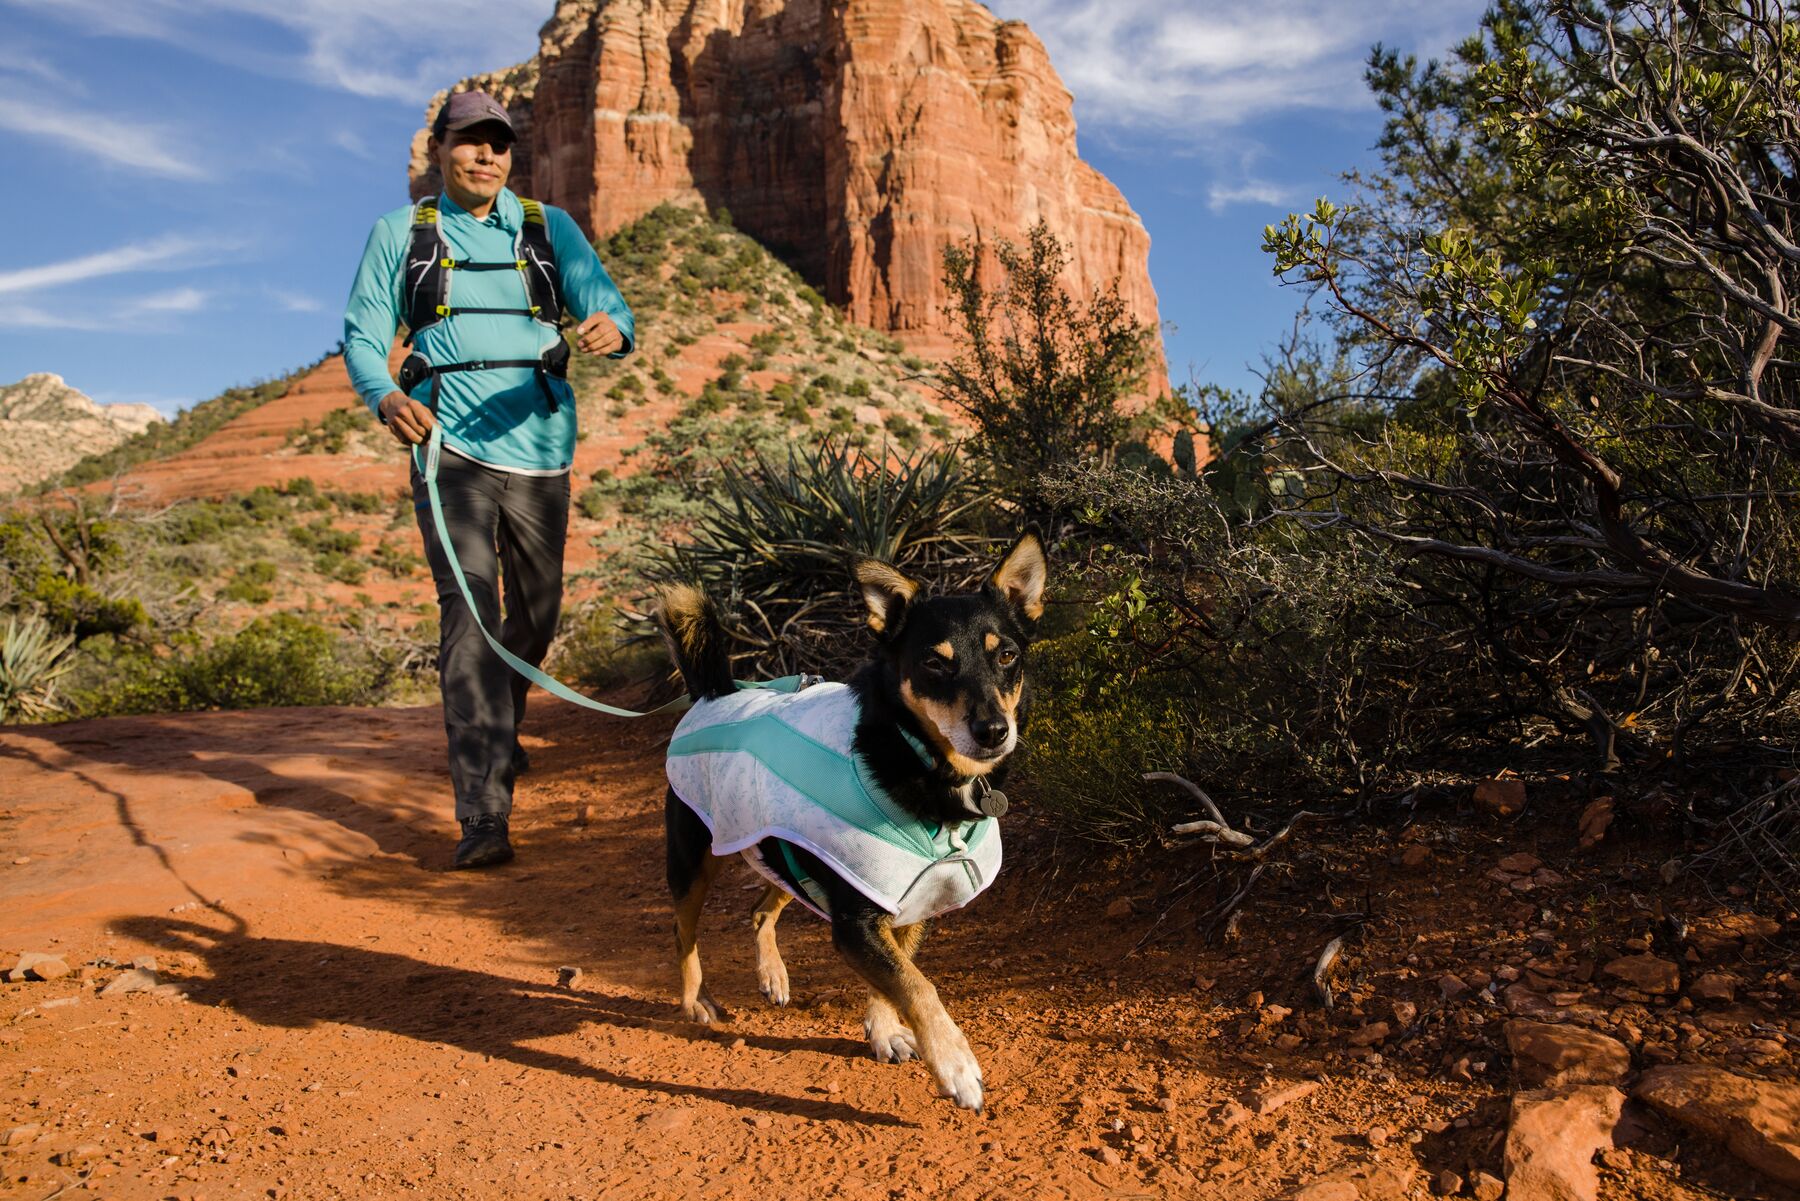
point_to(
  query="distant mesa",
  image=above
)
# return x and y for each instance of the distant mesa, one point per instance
(47, 427)
(854, 138)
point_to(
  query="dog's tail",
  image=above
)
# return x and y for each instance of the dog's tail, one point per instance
(690, 624)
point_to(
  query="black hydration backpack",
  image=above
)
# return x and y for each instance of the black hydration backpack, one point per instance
(427, 288)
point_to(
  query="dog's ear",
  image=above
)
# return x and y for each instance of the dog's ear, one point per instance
(887, 591)
(1021, 576)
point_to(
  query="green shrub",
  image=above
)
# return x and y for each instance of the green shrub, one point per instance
(857, 387)
(331, 436)
(277, 660)
(82, 609)
(250, 583)
(595, 649)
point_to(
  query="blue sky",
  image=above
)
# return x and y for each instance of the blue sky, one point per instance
(199, 175)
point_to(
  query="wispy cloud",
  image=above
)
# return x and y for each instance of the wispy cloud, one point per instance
(377, 48)
(163, 253)
(174, 300)
(1194, 68)
(1251, 191)
(293, 302)
(130, 144)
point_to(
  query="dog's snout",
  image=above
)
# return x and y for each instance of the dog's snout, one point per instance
(989, 732)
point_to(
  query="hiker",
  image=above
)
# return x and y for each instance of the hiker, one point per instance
(480, 278)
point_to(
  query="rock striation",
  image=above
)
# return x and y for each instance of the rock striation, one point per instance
(47, 426)
(855, 138)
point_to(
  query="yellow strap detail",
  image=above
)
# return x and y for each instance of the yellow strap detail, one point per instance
(443, 310)
(534, 212)
(448, 264)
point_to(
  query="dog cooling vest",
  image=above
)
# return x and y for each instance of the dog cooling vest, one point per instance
(772, 762)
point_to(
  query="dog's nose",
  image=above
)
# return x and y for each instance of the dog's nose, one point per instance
(989, 732)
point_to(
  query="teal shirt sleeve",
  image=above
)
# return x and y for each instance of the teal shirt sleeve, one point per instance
(587, 288)
(372, 315)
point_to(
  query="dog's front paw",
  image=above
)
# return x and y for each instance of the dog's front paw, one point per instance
(704, 1011)
(772, 978)
(891, 1041)
(959, 1078)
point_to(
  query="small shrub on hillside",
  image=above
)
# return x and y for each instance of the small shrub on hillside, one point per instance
(278, 660)
(251, 583)
(858, 387)
(331, 436)
(902, 430)
(596, 649)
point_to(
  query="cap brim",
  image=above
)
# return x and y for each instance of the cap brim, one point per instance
(480, 119)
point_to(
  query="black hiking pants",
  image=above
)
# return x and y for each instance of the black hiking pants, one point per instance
(510, 527)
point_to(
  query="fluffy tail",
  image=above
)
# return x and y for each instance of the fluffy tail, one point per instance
(690, 624)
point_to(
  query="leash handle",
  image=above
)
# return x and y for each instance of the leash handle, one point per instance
(427, 464)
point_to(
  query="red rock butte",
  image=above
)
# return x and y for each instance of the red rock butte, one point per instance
(855, 138)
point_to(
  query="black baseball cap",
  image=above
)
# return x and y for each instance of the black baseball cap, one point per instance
(465, 109)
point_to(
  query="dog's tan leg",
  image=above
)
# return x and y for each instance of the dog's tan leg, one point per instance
(771, 973)
(697, 1004)
(888, 1036)
(874, 950)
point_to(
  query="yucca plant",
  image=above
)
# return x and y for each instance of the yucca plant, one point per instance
(31, 661)
(776, 538)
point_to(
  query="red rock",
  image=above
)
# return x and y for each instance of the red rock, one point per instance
(1502, 798)
(1552, 1138)
(1757, 1120)
(1452, 986)
(1717, 933)
(1520, 863)
(1595, 820)
(1329, 1190)
(1486, 1186)
(860, 136)
(1119, 909)
(1547, 1056)
(1646, 973)
(1715, 986)
(1447, 1183)
(1266, 1101)
(1415, 855)
(1369, 1035)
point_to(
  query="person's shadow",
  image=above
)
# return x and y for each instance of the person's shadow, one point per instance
(290, 983)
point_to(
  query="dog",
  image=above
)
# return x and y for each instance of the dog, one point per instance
(874, 803)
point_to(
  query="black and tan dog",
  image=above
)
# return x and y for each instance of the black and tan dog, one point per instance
(929, 721)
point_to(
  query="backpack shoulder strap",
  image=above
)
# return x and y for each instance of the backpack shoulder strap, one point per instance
(543, 280)
(424, 280)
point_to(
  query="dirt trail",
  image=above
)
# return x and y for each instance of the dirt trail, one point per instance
(359, 1022)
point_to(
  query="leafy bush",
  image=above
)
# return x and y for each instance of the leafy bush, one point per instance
(332, 434)
(277, 660)
(597, 649)
(251, 583)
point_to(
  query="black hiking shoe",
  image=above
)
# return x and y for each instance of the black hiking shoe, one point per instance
(484, 842)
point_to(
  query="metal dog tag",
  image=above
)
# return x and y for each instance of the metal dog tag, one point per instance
(994, 803)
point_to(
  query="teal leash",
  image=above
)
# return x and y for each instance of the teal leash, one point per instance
(428, 467)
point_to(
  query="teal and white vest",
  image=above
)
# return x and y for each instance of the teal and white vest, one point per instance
(772, 762)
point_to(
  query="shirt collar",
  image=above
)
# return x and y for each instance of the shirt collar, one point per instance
(508, 214)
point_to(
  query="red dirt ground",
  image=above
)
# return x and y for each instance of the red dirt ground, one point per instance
(357, 1021)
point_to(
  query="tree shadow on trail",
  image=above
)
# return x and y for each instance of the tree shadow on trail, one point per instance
(295, 984)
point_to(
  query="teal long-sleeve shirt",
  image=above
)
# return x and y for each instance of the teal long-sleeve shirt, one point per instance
(496, 416)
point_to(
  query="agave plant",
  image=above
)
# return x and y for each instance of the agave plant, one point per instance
(776, 539)
(31, 661)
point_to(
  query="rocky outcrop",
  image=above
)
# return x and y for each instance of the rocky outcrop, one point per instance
(856, 138)
(1757, 1120)
(47, 426)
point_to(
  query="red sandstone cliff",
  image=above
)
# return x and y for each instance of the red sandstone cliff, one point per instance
(856, 138)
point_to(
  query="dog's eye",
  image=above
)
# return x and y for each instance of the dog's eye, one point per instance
(939, 666)
(1007, 657)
